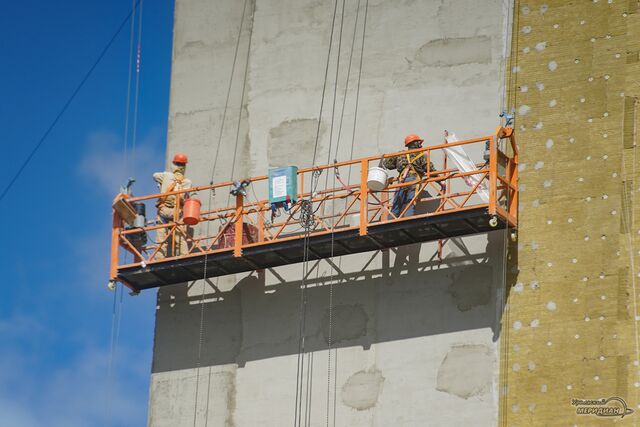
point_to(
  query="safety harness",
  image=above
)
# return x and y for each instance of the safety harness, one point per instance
(410, 168)
(162, 200)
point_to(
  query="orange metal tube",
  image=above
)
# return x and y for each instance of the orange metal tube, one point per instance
(493, 175)
(237, 251)
(115, 245)
(364, 193)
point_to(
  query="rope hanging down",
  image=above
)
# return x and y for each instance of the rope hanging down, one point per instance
(336, 176)
(308, 221)
(134, 134)
(118, 296)
(211, 195)
(129, 78)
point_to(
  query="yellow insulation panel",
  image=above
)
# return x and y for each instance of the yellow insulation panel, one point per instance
(570, 329)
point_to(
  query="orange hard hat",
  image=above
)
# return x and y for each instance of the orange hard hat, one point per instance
(412, 138)
(180, 158)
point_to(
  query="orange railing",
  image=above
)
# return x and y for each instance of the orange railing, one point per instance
(347, 206)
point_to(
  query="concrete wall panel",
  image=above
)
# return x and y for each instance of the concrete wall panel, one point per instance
(414, 341)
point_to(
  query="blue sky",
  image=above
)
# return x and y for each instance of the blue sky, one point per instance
(55, 311)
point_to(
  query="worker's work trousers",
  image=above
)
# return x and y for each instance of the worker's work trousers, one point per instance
(403, 196)
(169, 247)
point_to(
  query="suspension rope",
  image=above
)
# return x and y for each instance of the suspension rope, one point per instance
(355, 113)
(116, 313)
(335, 87)
(505, 103)
(324, 85)
(240, 108)
(332, 271)
(346, 87)
(134, 135)
(307, 221)
(211, 194)
(306, 215)
(226, 103)
(118, 295)
(129, 77)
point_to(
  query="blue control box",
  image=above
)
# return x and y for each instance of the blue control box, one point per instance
(283, 184)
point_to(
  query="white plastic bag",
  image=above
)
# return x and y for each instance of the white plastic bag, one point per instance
(464, 163)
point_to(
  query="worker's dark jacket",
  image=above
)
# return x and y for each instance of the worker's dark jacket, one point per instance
(400, 163)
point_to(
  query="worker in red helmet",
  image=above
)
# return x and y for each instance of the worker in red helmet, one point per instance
(170, 206)
(411, 167)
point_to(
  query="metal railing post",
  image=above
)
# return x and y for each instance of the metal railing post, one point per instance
(237, 250)
(364, 196)
(493, 175)
(115, 246)
(513, 207)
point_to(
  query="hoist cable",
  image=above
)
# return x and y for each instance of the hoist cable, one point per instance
(355, 118)
(302, 313)
(116, 316)
(134, 134)
(66, 105)
(211, 194)
(129, 78)
(115, 332)
(324, 85)
(240, 108)
(226, 103)
(335, 87)
(508, 82)
(346, 87)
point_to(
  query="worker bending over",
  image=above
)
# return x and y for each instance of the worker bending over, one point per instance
(411, 167)
(166, 204)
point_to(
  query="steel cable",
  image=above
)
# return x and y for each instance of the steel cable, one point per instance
(211, 194)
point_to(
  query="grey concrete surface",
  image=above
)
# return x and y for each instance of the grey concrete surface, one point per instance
(415, 341)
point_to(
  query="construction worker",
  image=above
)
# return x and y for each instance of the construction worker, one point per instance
(166, 204)
(411, 167)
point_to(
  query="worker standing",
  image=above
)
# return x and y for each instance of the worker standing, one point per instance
(168, 182)
(411, 168)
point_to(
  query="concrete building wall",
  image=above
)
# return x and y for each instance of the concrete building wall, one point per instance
(415, 341)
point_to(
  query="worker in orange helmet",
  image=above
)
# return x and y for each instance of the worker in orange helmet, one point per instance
(170, 206)
(411, 167)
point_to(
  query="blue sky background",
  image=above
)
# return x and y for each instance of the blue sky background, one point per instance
(55, 310)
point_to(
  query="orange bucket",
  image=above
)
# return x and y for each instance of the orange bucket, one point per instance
(191, 211)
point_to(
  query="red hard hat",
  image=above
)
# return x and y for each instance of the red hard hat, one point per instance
(412, 138)
(180, 158)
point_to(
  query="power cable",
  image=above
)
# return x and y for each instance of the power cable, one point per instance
(66, 105)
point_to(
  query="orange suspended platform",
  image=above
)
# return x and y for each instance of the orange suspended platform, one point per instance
(348, 218)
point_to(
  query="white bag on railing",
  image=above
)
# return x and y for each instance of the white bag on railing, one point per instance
(464, 163)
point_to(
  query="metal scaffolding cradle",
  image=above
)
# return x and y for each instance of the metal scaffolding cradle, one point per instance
(345, 219)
